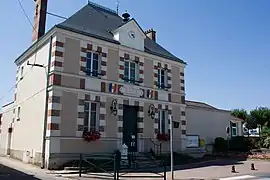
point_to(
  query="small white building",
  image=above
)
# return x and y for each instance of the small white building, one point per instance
(208, 122)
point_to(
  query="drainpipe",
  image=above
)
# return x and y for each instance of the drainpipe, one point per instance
(46, 108)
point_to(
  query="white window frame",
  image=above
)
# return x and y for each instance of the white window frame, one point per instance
(91, 59)
(88, 126)
(236, 129)
(165, 78)
(166, 121)
(136, 76)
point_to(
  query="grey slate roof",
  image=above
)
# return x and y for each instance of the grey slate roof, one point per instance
(98, 22)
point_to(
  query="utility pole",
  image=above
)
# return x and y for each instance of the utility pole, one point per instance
(171, 145)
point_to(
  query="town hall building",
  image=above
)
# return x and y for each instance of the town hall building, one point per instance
(91, 84)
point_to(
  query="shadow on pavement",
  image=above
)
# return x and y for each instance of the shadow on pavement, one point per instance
(7, 173)
(221, 162)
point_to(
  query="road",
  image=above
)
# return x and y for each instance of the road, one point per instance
(262, 176)
(7, 173)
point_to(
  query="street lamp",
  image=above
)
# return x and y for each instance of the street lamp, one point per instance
(171, 145)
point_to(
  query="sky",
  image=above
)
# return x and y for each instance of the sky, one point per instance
(225, 43)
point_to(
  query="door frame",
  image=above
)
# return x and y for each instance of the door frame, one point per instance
(136, 108)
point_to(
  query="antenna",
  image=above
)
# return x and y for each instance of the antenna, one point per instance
(117, 6)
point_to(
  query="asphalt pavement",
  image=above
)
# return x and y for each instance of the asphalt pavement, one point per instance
(7, 173)
(258, 176)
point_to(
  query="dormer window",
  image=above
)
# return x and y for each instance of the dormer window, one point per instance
(162, 78)
(92, 64)
(131, 73)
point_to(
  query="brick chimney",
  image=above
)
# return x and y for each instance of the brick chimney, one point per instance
(151, 34)
(39, 19)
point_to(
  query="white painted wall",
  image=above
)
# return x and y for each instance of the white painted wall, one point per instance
(122, 35)
(208, 124)
(28, 129)
(7, 119)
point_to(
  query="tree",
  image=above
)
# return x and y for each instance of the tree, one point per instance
(260, 116)
(240, 113)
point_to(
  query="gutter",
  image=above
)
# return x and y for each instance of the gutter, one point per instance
(46, 108)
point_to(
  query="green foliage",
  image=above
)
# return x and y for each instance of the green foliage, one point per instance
(220, 145)
(266, 142)
(261, 116)
(240, 113)
(265, 137)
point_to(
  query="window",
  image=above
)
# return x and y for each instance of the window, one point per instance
(21, 72)
(18, 113)
(234, 129)
(91, 116)
(92, 64)
(131, 71)
(163, 121)
(162, 78)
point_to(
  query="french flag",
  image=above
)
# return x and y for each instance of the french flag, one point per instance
(149, 93)
(112, 88)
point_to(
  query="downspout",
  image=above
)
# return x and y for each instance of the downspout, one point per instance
(46, 107)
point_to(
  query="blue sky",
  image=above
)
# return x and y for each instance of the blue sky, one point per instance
(226, 43)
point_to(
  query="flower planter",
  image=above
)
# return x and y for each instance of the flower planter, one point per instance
(163, 137)
(91, 136)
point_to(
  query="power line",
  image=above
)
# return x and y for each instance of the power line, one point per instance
(28, 19)
(25, 14)
(30, 97)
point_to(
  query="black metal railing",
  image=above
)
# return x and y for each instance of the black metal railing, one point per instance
(157, 148)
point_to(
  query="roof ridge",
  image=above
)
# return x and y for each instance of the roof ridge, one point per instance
(102, 7)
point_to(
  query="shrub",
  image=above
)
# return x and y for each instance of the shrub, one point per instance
(239, 144)
(220, 145)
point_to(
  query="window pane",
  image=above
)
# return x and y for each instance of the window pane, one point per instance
(95, 65)
(88, 63)
(86, 120)
(95, 56)
(132, 65)
(159, 78)
(86, 106)
(132, 74)
(163, 122)
(93, 106)
(88, 55)
(93, 121)
(159, 121)
(162, 72)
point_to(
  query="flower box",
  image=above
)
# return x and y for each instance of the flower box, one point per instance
(91, 135)
(163, 137)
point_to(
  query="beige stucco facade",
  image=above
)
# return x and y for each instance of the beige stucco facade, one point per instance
(209, 122)
(69, 87)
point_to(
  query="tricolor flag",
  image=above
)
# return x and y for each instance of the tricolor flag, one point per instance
(112, 88)
(149, 93)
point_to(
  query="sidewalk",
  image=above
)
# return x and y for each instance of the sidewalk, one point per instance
(28, 169)
(209, 172)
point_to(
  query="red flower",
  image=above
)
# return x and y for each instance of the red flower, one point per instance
(91, 136)
(163, 137)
